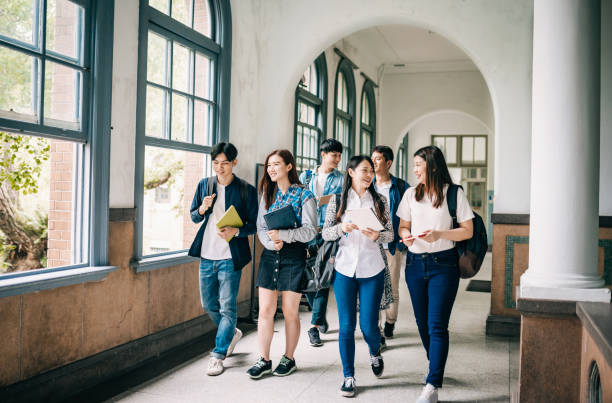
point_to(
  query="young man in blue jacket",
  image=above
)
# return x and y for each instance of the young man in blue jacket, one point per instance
(223, 252)
(322, 181)
(393, 189)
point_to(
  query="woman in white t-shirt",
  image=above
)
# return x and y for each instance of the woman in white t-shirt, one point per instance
(432, 274)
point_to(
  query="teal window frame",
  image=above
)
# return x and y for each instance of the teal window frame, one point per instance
(368, 130)
(319, 103)
(401, 165)
(94, 133)
(346, 68)
(218, 49)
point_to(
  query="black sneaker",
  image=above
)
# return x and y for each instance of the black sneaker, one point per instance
(285, 367)
(378, 366)
(383, 343)
(315, 339)
(348, 387)
(324, 327)
(389, 327)
(261, 368)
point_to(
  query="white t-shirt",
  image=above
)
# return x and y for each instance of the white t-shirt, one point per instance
(358, 255)
(385, 189)
(321, 178)
(423, 216)
(213, 246)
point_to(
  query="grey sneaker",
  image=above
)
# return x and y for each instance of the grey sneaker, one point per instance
(235, 339)
(428, 395)
(313, 336)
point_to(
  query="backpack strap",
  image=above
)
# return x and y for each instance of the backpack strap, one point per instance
(308, 178)
(451, 196)
(210, 185)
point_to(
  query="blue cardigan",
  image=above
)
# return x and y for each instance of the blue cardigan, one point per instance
(396, 194)
(239, 245)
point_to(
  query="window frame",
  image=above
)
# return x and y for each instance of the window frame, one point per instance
(318, 102)
(96, 100)
(367, 94)
(459, 157)
(403, 148)
(220, 45)
(346, 67)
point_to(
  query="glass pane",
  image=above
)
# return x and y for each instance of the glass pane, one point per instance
(313, 86)
(62, 96)
(181, 61)
(298, 139)
(181, 11)
(157, 65)
(340, 91)
(18, 93)
(311, 116)
(17, 20)
(451, 150)
(203, 76)
(202, 123)
(202, 21)
(467, 150)
(161, 5)
(180, 118)
(64, 28)
(365, 110)
(438, 141)
(157, 106)
(37, 194)
(303, 113)
(167, 225)
(480, 150)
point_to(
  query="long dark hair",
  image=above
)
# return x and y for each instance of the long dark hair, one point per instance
(267, 187)
(436, 175)
(348, 184)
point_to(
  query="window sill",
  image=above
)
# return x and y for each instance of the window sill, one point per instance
(161, 262)
(44, 281)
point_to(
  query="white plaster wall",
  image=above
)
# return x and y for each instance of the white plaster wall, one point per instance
(275, 40)
(445, 122)
(123, 109)
(605, 179)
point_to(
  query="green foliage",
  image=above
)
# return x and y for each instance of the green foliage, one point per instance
(21, 159)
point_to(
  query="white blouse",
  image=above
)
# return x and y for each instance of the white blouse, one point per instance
(358, 255)
(424, 216)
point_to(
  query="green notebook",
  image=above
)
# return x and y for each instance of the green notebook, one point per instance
(230, 219)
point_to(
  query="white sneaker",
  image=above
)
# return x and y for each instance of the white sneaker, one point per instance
(215, 366)
(235, 339)
(428, 395)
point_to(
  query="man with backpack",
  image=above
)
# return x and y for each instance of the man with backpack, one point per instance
(324, 180)
(393, 189)
(223, 252)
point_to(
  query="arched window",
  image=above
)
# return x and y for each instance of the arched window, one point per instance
(368, 118)
(183, 109)
(344, 111)
(310, 107)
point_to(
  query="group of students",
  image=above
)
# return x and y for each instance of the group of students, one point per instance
(417, 229)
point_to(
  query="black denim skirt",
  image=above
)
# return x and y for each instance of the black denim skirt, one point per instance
(282, 270)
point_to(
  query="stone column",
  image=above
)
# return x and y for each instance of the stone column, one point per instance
(565, 153)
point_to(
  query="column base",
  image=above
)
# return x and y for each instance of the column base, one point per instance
(566, 294)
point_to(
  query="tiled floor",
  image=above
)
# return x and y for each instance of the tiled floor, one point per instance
(479, 368)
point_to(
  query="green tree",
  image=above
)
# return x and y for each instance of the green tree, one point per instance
(23, 235)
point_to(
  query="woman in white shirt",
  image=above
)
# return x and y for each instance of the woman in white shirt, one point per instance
(432, 274)
(360, 266)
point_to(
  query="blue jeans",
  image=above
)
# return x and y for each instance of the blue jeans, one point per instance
(318, 303)
(219, 284)
(433, 280)
(370, 291)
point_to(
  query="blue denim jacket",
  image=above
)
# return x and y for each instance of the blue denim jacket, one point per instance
(239, 245)
(333, 185)
(396, 197)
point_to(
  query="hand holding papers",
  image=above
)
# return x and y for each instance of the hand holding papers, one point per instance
(364, 218)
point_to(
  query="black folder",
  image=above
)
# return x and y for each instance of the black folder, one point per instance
(283, 218)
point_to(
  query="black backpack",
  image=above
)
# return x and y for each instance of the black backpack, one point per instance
(471, 251)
